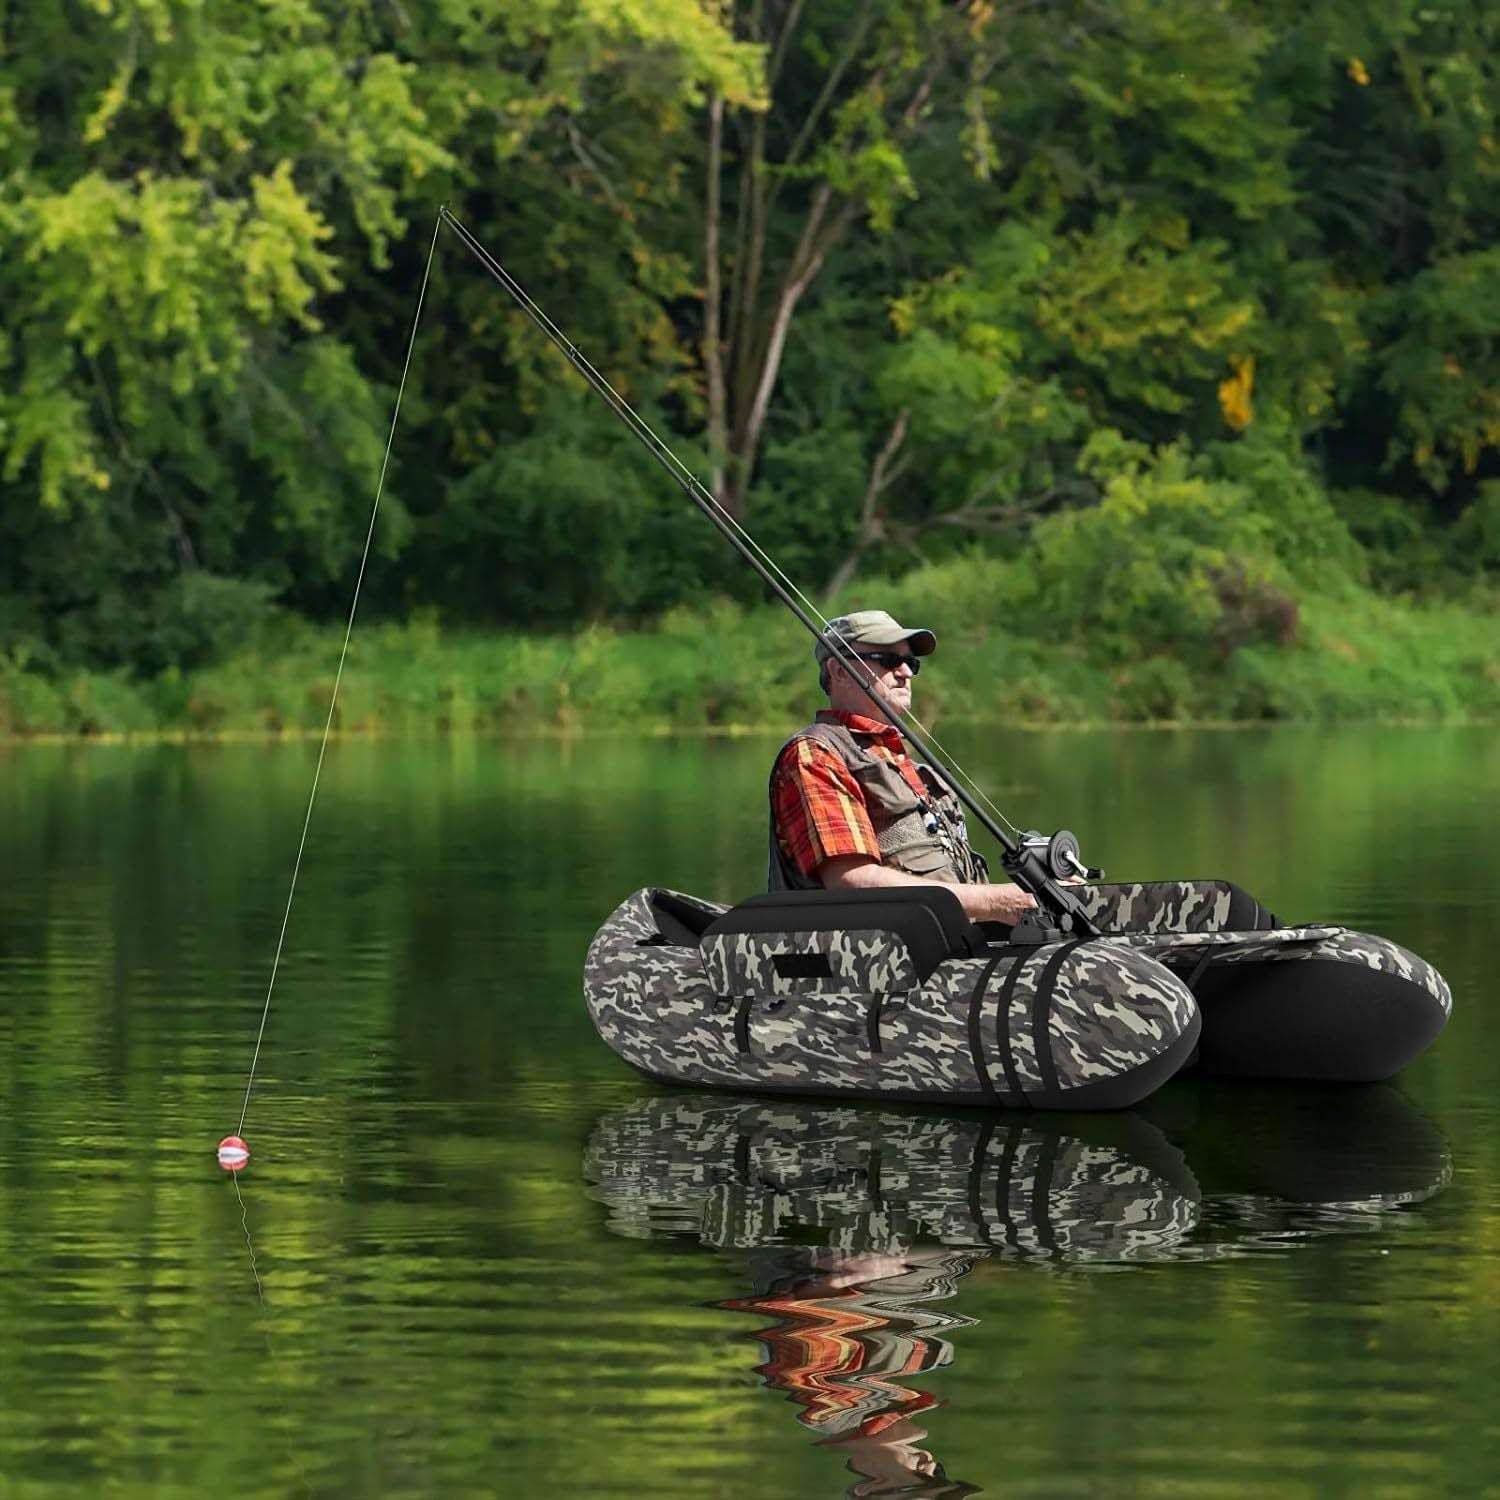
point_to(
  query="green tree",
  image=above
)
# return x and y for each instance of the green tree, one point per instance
(194, 200)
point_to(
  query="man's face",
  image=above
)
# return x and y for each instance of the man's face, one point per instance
(891, 672)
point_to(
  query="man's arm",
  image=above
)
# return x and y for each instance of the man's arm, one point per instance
(981, 903)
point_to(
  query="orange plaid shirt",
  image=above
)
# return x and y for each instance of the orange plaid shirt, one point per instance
(820, 811)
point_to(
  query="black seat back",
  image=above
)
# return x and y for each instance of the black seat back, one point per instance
(962, 937)
(789, 941)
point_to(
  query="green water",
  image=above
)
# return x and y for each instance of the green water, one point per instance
(453, 1267)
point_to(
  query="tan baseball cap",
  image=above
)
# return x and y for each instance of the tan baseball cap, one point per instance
(871, 627)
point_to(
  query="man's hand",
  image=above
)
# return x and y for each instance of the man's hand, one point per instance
(1004, 903)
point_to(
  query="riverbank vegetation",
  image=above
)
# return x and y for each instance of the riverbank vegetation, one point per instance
(730, 668)
(1146, 350)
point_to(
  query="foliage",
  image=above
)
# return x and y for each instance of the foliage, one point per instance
(1179, 315)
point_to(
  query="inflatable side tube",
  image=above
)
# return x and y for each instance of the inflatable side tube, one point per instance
(867, 1013)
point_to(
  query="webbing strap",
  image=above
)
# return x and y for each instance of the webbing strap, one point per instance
(1002, 1024)
(742, 1024)
(1041, 1014)
(1209, 955)
(976, 1039)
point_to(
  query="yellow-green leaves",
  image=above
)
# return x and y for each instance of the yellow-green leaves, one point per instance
(284, 268)
(46, 420)
(141, 293)
(697, 42)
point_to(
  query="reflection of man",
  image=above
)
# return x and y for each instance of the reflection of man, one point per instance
(850, 1329)
(850, 809)
(888, 1460)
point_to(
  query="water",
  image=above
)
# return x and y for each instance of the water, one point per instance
(473, 1255)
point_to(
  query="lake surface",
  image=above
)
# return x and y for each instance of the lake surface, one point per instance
(474, 1255)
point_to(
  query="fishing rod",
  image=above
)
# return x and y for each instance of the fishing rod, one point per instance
(1037, 864)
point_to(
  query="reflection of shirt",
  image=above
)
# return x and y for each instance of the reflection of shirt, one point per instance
(819, 807)
(839, 1359)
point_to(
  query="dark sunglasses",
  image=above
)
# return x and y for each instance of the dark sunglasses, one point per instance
(888, 661)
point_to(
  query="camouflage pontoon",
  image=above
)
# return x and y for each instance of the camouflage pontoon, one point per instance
(894, 994)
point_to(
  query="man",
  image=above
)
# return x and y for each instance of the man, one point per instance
(850, 809)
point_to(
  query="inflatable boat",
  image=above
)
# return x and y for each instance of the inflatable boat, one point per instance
(895, 995)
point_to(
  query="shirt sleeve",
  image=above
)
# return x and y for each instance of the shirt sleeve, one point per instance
(820, 811)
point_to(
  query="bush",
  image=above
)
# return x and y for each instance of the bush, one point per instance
(1169, 562)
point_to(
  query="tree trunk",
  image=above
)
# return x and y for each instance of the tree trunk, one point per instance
(743, 354)
(871, 529)
(713, 348)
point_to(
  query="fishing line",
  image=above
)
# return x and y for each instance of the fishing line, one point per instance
(702, 496)
(265, 1318)
(333, 702)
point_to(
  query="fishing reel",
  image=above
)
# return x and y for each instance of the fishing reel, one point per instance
(1040, 864)
(1059, 855)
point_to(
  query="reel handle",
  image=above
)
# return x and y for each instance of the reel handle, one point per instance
(1060, 854)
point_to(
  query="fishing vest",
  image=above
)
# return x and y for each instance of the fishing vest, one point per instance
(923, 836)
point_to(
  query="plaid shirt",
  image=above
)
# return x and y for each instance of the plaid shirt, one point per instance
(819, 807)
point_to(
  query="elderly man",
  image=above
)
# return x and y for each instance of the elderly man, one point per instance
(850, 809)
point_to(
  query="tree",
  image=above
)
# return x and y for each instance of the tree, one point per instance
(195, 202)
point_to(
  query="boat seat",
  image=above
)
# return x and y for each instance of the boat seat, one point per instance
(928, 919)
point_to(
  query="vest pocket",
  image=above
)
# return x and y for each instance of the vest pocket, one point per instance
(926, 858)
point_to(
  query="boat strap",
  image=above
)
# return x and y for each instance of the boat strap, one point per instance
(1209, 954)
(742, 1023)
(976, 1040)
(1041, 1014)
(1002, 1024)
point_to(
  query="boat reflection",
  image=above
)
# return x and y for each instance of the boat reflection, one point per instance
(857, 1220)
(739, 1172)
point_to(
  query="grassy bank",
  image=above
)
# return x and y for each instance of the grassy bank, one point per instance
(1349, 657)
